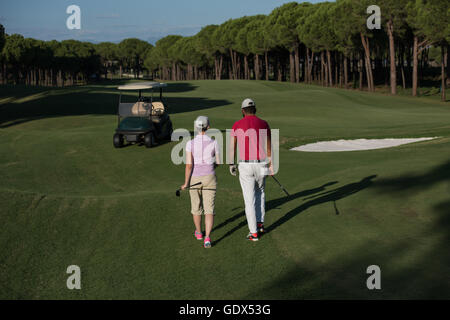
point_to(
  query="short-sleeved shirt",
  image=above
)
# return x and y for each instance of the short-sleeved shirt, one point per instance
(251, 133)
(204, 151)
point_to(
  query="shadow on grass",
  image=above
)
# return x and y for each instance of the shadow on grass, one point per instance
(421, 278)
(28, 104)
(345, 277)
(329, 196)
(425, 277)
(272, 204)
(415, 182)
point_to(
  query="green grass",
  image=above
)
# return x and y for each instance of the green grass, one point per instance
(68, 197)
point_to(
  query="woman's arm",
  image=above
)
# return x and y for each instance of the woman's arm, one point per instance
(188, 170)
(217, 154)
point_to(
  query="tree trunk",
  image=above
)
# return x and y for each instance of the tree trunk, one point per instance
(233, 65)
(256, 67)
(266, 57)
(401, 62)
(415, 65)
(443, 78)
(238, 66)
(174, 72)
(323, 70)
(368, 63)
(310, 61)
(393, 75)
(361, 73)
(307, 62)
(279, 69)
(345, 72)
(216, 67)
(336, 66)
(403, 75)
(330, 74)
(291, 67)
(246, 71)
(297, 64)
(219, 75)
(448, 63)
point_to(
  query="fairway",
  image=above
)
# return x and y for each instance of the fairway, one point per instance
(68, 197)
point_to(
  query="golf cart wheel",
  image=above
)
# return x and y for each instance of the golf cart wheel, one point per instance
(118, 140)
(149, 140)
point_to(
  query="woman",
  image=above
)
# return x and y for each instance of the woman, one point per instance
(202, 155)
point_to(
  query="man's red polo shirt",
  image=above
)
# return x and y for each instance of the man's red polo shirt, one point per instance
(251, 133)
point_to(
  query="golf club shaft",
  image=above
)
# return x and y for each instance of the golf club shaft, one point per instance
(193, 185)
(178, 190)
(282, 188)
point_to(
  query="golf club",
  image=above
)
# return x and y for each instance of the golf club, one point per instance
(282, 188)
(177, 193)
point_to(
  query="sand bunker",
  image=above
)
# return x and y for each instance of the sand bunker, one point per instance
(354, 145)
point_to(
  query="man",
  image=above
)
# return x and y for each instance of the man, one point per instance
(252, 135)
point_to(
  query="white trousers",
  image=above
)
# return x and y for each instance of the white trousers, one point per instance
(252, 179)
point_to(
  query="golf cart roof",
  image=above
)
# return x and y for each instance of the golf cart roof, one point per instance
(142, 86)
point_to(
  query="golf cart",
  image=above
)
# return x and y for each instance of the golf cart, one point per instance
(145, 120)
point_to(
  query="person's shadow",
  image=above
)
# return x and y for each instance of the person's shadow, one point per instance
(327, 196)
(271, 204)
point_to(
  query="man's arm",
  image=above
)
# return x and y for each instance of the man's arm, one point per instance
(233, 149)
(232, 153)
(269, 145)
(269, 149)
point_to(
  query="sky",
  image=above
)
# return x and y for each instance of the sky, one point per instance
(115, 20)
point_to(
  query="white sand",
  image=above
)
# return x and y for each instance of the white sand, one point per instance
(354, 145)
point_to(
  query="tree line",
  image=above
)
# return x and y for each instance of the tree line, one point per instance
(327, 43)
(68, 62)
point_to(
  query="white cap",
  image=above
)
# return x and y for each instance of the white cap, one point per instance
(201, 122)
(247, 103)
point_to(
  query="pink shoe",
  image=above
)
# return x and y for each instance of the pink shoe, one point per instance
(207, 243)
(198, 235)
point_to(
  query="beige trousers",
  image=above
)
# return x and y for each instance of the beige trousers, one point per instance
(202, 201)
